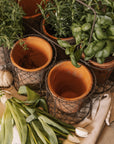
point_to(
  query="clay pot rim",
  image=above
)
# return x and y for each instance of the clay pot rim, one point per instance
(51, 36)
(106, 65)
(35, 69)
(69, 99)
(32, 16)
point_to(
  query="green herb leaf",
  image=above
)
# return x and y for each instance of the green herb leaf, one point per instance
(65, 125)
(32, 137)
(74, 61)
(39, 133)
(19, 121)
(51, 135)
(52, 123)
(64, 44)
(8, 127)
(31, 95)
(2, 132)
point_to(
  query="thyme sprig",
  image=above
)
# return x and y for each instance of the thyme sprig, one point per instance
(11, 28)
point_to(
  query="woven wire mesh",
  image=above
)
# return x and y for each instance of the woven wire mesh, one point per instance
(70, 118)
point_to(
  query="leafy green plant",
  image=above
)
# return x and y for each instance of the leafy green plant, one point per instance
(101, 45)
(10, 22)
(59, 16)
(34, 124)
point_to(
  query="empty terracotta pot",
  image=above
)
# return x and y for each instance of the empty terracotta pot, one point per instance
(69, 85)
(31, 62)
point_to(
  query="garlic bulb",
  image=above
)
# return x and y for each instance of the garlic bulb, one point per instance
(6, 78)
(73, 138)
(3, 99)
(81, 132)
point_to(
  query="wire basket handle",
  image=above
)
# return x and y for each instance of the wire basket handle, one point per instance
(93, 20)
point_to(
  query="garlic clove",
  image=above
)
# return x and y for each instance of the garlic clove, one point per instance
(81, 132)
(6, 78)
(73, 138)
(3, 99)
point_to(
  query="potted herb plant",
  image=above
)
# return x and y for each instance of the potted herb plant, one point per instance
(96, 47)
(58, 17)
(10, 22)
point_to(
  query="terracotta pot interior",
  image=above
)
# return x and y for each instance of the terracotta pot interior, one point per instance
(38, 54)
(66, 81)
(29, 6)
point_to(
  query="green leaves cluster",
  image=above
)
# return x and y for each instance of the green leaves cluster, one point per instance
(71, 50)
(34, 124)
(102, 39)
(10, 22)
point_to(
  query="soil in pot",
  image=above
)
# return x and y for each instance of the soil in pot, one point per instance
(69, 85)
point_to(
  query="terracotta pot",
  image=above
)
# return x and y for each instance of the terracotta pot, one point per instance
(102, 71)
(31, 16)
(31, 63)
(69, 85)
(69, 39)
(29, 7)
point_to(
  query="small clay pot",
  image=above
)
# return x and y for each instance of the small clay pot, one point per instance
(30, 63)
(69, 85)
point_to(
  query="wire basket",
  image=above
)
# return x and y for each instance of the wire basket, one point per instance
(32, 79)
(74, 117)
(71, 118)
